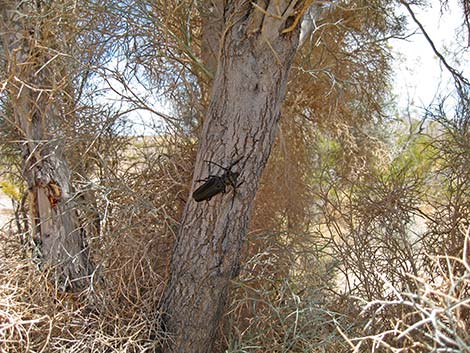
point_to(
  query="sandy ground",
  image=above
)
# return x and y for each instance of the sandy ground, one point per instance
(5, 209)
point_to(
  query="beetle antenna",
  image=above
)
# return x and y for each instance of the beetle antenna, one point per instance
(224, 168)
(218, 165)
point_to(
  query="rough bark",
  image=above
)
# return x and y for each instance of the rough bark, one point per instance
(34, 86)
(212, 15)
(241, 121)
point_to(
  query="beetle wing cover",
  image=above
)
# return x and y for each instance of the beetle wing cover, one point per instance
(210, 188)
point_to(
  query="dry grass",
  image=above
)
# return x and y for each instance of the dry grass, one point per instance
(271, 312)
(116, 315)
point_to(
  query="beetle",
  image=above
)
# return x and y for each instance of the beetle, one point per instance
(216, 184)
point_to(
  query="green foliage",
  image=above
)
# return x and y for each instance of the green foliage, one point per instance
(416, 157)
(11, 190)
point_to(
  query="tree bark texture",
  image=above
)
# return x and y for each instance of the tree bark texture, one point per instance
(212, 18)
(35, 86)
(241, 121)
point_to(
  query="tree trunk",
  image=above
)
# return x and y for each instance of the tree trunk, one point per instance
(35, 86)
(241, 121)
(212, 26)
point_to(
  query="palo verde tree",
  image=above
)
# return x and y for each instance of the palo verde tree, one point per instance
(40, 97)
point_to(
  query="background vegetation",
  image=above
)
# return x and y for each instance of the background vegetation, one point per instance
(359, 239)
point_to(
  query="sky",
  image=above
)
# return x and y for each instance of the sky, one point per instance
(419, 76)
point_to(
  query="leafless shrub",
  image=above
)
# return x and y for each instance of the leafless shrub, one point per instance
(433, 318)
(280, 300)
